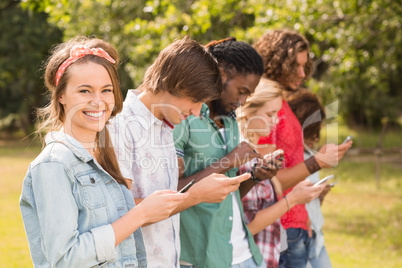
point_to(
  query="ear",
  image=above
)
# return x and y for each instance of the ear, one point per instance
(61, 99)
(224, 75)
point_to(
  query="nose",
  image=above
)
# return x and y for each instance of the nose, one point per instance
(97, 99)
(301, 72)
(242, 99)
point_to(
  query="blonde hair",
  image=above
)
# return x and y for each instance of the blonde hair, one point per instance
(266, 90)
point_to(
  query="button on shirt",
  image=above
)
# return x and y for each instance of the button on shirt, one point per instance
(206, 228)
(146, 154)
(68, 203)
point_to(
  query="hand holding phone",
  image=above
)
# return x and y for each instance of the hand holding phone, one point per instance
(185, 188)
(324, 180)
(348, 138)
(332, 184)
(274, 154)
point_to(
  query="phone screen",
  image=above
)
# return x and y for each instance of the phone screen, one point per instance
(185, 188)
(348, 138)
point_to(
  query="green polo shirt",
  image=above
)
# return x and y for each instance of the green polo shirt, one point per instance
(205, 229)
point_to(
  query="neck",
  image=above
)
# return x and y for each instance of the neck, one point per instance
(88, 141)
(253, 138)
(211, 110)
(214, 115)
(149, 99)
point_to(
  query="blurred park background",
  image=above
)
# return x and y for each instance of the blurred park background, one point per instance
(357, 53)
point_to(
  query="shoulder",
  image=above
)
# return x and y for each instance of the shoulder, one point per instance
(54, 152)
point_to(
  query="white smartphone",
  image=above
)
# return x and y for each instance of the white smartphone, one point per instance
(324, 180)
(332, 184)
(274, 154)
(348, 138)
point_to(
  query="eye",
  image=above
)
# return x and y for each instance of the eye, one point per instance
(107, 90)
(244, 92)
(84, 91)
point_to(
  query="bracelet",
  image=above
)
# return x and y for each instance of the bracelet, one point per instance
(312, 165)
(287, 202)
(253, 177)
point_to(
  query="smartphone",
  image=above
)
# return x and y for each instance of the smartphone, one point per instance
(332, 184)
(274, 154)
(348, 138)
(185, 188)
(324, 180)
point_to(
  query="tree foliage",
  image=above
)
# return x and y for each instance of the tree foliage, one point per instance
(356, 45)
(25, 40)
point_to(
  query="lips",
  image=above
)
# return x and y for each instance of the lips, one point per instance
(94, 115)
(235, 106)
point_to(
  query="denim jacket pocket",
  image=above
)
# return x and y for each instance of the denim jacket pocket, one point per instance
(91, 191)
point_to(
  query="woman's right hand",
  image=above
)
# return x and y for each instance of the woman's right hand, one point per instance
(304, 192)
(160, 204)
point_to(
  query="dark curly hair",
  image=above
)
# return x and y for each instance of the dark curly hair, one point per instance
(308, 110)
(279, 49)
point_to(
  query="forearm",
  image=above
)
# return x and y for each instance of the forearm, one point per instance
(219, 167)
(192, 200)
(289, 177)
(245, 187)
(127, 224)
(265, 217)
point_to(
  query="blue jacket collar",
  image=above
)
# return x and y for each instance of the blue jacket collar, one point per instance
(78, 150)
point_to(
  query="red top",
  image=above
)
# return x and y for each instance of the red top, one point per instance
(288, 135)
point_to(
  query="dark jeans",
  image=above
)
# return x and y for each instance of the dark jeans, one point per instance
(296, 255)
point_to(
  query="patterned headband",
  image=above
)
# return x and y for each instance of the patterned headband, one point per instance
(78, 52)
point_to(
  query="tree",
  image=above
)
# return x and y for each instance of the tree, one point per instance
(23, 46)
(356, 45)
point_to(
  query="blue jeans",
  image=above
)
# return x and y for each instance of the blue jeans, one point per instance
(282, 260)
(249, 263)
(322, 261)
(298, 248)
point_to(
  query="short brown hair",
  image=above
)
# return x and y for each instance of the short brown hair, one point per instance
(279, 49)
(305, 104)
(185, 69)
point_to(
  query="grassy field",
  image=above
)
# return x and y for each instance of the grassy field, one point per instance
(362, 223)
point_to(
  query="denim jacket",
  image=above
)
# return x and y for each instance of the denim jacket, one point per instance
(68, 203)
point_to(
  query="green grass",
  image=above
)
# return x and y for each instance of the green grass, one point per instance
(362, 223)
(14, 161)
(362, 138)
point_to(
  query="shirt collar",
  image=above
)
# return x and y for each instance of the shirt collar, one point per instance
(205, 112)
(78, 150)
(138, 109)
(143, 114)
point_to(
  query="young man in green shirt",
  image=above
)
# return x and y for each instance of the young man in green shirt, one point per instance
(215, 235)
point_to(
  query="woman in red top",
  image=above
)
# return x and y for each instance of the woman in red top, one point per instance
(285, 57)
